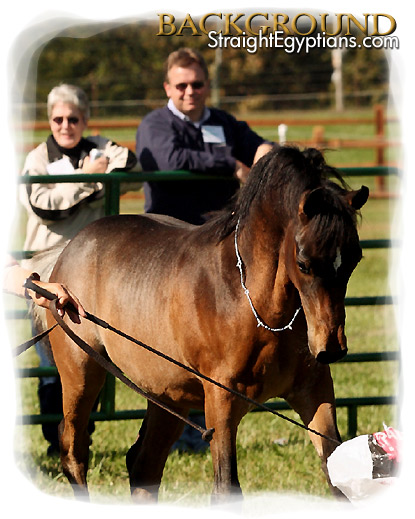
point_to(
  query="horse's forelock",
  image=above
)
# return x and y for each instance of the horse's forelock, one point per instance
(330, 227)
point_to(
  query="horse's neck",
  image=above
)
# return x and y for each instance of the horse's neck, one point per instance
(260, 246)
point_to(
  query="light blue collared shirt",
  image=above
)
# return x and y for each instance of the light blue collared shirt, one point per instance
(205, 116)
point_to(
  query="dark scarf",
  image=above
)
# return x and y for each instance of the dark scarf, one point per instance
(75, 155)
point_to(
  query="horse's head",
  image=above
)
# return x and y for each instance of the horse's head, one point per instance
(322, 253)
(313, 221)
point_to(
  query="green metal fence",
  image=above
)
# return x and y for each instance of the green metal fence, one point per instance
(113, 182)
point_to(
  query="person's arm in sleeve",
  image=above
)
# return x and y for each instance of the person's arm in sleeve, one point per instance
(14, 277)
(160, 147)
(250, 147)
(119, 157)
(55, 201)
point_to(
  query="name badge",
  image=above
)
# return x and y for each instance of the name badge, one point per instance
(213, 134)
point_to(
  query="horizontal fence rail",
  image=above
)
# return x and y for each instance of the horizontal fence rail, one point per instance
(147, 176)
(96, 125)
(113, 182)
(379, 139)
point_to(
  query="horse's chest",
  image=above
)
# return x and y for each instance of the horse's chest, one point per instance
(266, 371)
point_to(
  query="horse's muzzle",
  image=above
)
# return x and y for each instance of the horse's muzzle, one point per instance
(328, 357)
(331, 347)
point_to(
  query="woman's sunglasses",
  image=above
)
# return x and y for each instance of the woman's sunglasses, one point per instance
(71, 120)
(196, 85)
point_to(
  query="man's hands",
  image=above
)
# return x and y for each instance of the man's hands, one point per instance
(242, 171)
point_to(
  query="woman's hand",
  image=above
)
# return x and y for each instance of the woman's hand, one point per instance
(98, 165)
(64, 297)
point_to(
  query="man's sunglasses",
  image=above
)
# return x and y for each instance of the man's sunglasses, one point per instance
(196, 85)
(71, 120)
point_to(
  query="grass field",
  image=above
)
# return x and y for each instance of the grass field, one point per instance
(273, 455)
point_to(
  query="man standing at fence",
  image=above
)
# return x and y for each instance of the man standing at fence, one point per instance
(187, 135)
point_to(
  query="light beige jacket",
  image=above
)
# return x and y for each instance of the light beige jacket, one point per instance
(57, 212)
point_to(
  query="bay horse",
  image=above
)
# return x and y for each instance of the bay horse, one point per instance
(178, 288)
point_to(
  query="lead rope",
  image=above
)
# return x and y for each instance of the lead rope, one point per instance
(206, 434)
(261, 323)
(116, 372)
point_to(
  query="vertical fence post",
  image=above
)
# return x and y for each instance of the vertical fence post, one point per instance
(380, 149)
(112, 197)
(112, 207)
(108, 397)
(351, 420)
(317, 136)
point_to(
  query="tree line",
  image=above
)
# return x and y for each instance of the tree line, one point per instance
(125, 62)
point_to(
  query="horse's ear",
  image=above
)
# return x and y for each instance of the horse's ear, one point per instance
(311, 204)
(357, 199)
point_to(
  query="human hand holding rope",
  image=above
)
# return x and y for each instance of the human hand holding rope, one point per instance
(43, 293)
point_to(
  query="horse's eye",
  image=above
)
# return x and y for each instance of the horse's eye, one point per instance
(303, 267)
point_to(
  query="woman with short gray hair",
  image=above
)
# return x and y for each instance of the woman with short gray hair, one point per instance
(58, 211)
(68, 94)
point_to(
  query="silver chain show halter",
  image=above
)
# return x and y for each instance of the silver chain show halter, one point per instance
(251, 304)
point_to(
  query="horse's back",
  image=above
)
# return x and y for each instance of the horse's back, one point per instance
(117, 239)
(131, 271)
(123, 227)
(130, 258)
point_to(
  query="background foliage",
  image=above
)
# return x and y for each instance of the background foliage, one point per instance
(115, 64)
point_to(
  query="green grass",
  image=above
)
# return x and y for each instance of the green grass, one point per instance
(264, 464)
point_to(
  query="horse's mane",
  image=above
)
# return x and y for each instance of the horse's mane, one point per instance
(286, 171)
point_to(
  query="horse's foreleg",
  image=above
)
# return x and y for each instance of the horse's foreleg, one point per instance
(315, 403)
(223, 413)
(147, 457)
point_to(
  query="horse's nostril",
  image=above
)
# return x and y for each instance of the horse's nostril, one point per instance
(328, 357)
